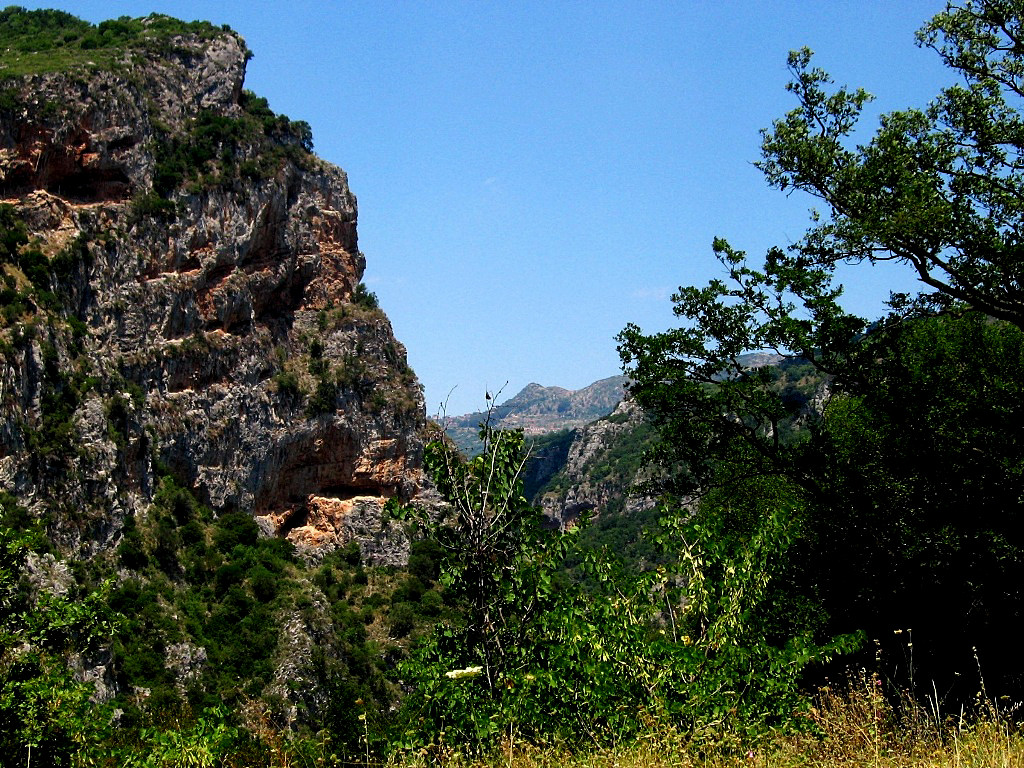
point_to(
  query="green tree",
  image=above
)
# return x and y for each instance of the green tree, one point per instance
(939, 188)
(46, 716)
(532, 655)
(902, 476)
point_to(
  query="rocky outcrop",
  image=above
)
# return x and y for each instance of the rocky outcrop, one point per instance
(601, 471)
(197, 321)
(324, 524)
(87, 135)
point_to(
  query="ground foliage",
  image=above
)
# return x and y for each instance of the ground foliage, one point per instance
(543, 655)
(857, 727)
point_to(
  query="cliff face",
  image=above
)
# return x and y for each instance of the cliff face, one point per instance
(183, 301)
(601, 469)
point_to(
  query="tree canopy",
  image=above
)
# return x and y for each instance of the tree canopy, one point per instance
(891, 443)
(939, 188)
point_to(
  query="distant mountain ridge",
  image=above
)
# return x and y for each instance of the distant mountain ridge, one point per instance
(537, 410)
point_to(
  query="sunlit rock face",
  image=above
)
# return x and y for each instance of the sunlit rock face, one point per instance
(203, 328)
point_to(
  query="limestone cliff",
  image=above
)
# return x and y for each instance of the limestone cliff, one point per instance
(182, 297)
(602, 467)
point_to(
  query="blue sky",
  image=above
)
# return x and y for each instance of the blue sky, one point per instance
(532, 175)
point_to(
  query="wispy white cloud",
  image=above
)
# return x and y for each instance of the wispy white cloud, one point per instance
(657, 293)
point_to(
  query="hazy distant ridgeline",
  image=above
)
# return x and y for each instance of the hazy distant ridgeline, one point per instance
(538, 410)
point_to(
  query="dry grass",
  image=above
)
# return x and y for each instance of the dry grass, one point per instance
(853, 728)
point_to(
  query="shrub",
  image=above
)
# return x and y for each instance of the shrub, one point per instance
(364, 297)
(287, 385)
(263, 583)
(233, 529)
(401, 619)
(324, 399)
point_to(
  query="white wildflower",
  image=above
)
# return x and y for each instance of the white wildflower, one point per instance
(459, 674)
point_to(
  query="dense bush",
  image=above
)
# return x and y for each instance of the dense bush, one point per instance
(45, 714)
(42, 30)
(527, 649)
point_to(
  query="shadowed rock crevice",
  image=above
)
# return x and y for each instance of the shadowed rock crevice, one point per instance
(78, 168)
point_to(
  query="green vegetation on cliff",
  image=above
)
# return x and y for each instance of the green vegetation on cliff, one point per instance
(36, 42)
(219, 150)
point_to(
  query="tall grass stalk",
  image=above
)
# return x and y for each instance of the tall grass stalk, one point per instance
(854, 726)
